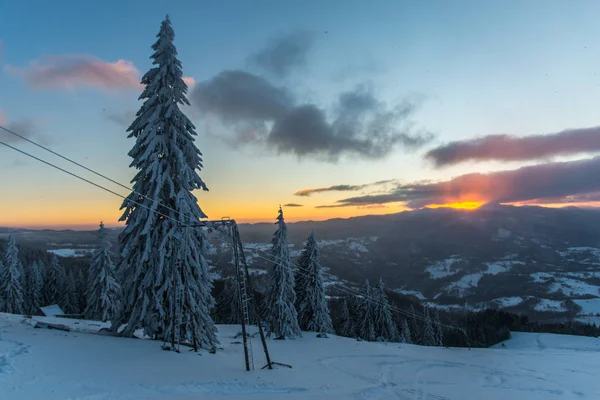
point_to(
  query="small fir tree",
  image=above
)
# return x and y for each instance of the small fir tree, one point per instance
(367, 326)
(313, 310)
(11, 289)
(281, 316)
(385, 327)
(102, 288)
(428, 331)
(405, 336)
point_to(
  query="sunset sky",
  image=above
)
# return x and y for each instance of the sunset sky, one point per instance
(331, 108)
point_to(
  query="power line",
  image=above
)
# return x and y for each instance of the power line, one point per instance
(85, 168)
(85, 180)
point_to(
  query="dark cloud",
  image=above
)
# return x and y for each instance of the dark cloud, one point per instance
(341, 188)
(124, 119)
(284, 54)
(542, 183)
(25, 128)
(512, 148)
(242, 99)
(259, 112)
(293, 205)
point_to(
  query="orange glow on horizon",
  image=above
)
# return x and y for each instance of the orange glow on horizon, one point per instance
(461, 205)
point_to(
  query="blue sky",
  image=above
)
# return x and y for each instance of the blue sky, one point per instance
(471, 68)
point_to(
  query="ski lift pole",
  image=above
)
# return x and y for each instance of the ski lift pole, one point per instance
(249, 288)
(241, 294)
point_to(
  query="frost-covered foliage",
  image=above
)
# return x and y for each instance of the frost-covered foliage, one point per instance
(313, 311)
(11, 289)
(54, 281)
(367, 325)
(161, 260)
(385, 327)
(428, 330)
(280, 313)
(437, 328)
(405, 336)
(102, 288)
(34, 285)
(346, 325)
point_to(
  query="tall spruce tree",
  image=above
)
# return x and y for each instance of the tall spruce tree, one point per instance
(428, 331)
(162, 256)
(313, 311)
(385, 327)
(54, 281)
(405, 336)
(11, 289)
(354, 308)
(280, 312)
(35, 287)
(103, 291)
(367, 309)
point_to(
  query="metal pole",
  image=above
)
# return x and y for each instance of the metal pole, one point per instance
(249, 288)
(240, 294)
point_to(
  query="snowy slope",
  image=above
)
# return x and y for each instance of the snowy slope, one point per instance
(51, 365)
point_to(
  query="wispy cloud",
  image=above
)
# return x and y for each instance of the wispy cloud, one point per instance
(513, 148)
(341, 188)
(551, 182)
(122, 118)
(293, 205)
(284, 54)
(74, 71)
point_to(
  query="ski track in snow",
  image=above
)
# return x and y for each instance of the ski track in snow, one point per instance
(388, 386)
(6, 359)
(77, 366)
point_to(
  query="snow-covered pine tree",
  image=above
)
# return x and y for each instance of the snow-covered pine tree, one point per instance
(155, 240)
(367, 308)
(354, 308)
(437, 328)
(54, 281)
(103, 291)
(281, 316)
(81, 290)
(66, 293)
(229, 303)
(11, 289)
(74, 293)
(385, 327)
(346, 324)
(415, 328)
(313, 311)
(405, 336)
(428, 331)
(34, 286)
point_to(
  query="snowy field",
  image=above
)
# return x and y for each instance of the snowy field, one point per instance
(50, 365)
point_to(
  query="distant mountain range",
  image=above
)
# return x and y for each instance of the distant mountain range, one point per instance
(540, 261)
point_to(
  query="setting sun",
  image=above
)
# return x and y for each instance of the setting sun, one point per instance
(463, 205)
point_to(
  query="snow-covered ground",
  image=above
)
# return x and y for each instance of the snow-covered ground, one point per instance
(504, 302)
(550, 305)
(50, 365)
(444, 268)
